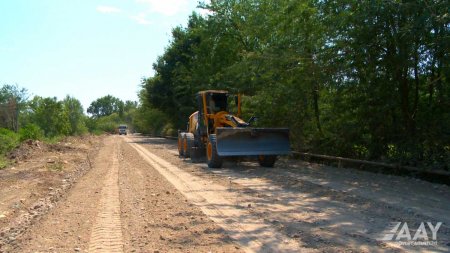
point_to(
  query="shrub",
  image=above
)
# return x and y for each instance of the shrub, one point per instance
(168, 130)
(97, 132)
(107, 124)
(3, 162)
(8, 140)
(31, 131)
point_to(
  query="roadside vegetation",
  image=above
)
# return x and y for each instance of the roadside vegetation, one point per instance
(359, 79)
(49, 119)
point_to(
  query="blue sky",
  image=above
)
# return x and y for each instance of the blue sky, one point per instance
(85, 48)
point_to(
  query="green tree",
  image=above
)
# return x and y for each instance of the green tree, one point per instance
(49, 114)
(12, 103)
(105, 106)
(8, 91)
(75, 112)
(365, 79)
(147, 119)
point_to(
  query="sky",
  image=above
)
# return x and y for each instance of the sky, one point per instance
(85, 48)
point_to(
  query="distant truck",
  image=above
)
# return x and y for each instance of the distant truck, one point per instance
(123, 129)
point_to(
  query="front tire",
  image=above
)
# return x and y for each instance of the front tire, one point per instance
(213, 159)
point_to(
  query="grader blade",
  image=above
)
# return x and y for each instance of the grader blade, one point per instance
(252, 141)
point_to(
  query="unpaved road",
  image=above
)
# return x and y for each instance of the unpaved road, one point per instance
(138, 196)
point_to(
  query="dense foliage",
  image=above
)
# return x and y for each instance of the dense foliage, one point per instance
(150, 120)
(38, 118)
(50, 119)
(364, 79)
(12, 100)
(106, 106)
(109, 112)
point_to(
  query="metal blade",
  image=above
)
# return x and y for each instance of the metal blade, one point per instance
(252, 141)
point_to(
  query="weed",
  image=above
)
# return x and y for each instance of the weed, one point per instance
(56, 166)
(3, 162)
(8, 140)
(53, 140)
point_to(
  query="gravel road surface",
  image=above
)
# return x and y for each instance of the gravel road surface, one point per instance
(134, 194)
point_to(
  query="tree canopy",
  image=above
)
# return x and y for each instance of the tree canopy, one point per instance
(106, 106)
(364, 79)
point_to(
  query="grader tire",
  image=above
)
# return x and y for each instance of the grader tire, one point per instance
(213, 159)
(188, 144)
(180, 144)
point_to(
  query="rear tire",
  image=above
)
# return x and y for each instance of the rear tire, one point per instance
(180, 144)
(185, 148)
(267, 160)
(188, 144)
(213, 159)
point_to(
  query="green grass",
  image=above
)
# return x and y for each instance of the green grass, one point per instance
(57, 166)
(97, 132)
(3, 162)
(8, 141)
(53, 140)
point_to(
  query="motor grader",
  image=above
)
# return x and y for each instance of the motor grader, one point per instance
(215, 132)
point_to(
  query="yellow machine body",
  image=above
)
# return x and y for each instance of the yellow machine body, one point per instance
(218, 133)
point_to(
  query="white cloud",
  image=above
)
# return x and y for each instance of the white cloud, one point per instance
(141, 18)
(166, 7)
(108, 9)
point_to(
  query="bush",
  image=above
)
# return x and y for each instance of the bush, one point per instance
(106, 124)
(31, 131)
(168, 130)
(149, 120)
(97, 132)
(54, 139)
(3, 162)
(8, 140)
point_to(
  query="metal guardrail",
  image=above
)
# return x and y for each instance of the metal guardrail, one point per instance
(340, 160)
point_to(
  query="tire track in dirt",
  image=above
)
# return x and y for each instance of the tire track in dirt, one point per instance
(326, 209)
(251, 232)
(106, 233)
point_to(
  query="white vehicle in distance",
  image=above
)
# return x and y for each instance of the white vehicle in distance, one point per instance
(123, 129)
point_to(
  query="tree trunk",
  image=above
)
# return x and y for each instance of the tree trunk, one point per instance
(316, 107)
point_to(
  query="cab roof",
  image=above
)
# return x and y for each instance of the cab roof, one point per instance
(213, 91)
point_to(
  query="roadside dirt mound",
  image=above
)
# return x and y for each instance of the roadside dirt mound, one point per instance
(39, 178)
(26, 150)
(33, 148)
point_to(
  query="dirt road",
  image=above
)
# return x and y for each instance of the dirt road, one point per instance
(138, 196)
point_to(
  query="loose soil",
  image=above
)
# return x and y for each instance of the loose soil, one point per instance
(134, 194)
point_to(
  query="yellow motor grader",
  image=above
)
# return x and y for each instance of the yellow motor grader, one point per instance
(213, 131)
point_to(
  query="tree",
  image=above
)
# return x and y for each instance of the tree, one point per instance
(105, 106)
(147, 119)
(49, 114)
(13, 91)
(12, 102)
(363, 79)
(75, 112)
